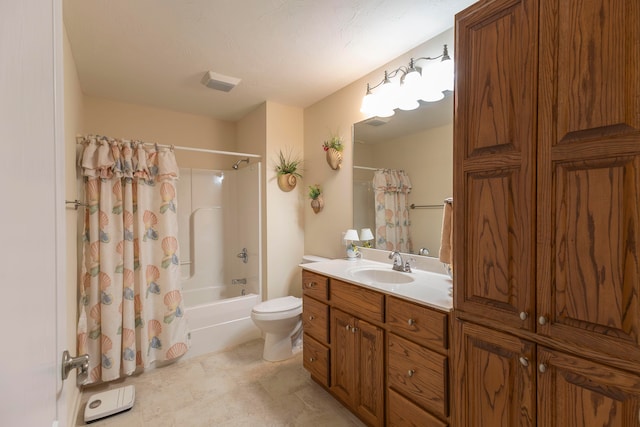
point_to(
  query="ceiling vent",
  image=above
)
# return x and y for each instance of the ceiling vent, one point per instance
(219, 82)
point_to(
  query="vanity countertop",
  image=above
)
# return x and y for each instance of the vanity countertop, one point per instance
(428, 288)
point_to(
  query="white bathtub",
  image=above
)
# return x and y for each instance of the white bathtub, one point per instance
(219, 324)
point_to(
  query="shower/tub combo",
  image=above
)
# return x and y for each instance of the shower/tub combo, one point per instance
(221, 263)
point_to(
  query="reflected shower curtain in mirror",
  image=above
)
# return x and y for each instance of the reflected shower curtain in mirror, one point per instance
(131, 312)
(391, 189)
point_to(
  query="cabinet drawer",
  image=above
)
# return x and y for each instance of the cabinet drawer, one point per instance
(316, 359)
(362, 302)
(405, 413)
(315, 285)
(419, 374)
(420, 324)
(315, 319)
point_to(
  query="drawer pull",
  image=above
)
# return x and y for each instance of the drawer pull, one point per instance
(354, 330)
(542, 368)
(312, 359)
(524, 361)
(410, 372)
(311, 284)
(311, 317)
(542, 320)
(524, 315)
(348, 327)
(411, 322)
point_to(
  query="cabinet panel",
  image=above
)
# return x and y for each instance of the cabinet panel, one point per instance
(497, 244)
(370, 367)
(364, 303)
(316, 359)
(343, 357)
(573, 392)
(591, 51)
(315, 319)
(496, 89)
(419, 374)
(493, 385)
(420, 324)
(315, 285)
(404, 413)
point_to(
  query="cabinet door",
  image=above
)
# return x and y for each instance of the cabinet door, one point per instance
(343, 356)
(573, 392)
(494, 150)
(494, 379)
(589, 177)
(370, 369)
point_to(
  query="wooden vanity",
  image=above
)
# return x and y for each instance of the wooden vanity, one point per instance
(384, 357)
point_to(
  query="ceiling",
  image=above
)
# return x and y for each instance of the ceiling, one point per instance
(293, 52)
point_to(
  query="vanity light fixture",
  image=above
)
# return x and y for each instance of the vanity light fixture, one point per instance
(403, 87)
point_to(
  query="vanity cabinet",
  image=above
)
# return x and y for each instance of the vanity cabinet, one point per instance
(389, 361)
(316, 354)
(546, 217)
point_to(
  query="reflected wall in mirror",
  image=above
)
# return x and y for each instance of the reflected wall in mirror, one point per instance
(419, 142)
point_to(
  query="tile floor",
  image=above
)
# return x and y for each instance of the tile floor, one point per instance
(231, 388)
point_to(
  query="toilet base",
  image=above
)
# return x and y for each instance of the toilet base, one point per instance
(278, 347)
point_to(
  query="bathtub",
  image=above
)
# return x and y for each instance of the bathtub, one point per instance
(225, 322)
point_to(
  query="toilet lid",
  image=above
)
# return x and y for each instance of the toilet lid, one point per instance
(278, 304)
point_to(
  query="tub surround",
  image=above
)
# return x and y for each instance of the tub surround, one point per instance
(379, 346)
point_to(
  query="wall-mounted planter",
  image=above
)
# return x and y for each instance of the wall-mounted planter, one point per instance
(287, 182)
(317, 204)
(334, 158)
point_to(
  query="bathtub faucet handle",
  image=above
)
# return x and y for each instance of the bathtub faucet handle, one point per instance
(244, 255)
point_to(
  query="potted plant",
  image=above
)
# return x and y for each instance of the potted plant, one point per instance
(315, 194)
(333, 147)
(288, 170)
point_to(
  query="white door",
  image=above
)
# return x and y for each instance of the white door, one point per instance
(31, 214)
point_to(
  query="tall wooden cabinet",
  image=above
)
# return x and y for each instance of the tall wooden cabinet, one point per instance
(547, 213)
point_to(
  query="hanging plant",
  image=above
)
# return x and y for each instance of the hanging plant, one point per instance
(288, 170)
(333, 147)
(315, 194)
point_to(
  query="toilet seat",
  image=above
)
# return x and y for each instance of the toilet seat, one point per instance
(278, 304)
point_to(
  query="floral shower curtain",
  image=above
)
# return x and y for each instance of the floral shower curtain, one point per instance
(391, 189)
(131, 310)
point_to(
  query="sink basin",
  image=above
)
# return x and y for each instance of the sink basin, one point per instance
(380, 275)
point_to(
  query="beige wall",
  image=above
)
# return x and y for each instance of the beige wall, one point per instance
(73, 118)
(129, 121)
(284, 210)
(337, 113)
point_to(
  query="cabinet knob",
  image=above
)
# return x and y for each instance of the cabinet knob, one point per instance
(411, 322)
(348, 327)
(524, 315)
(354, 330)
(311, 284)
(542, 320)
(542, 368)
(312, 359)
(524, 361)
(311, 317)
(410, 372)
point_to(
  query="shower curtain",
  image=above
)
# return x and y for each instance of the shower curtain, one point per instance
(131, 310)
(391, 189)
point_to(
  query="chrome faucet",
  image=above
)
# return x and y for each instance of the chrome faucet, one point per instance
(398, 264)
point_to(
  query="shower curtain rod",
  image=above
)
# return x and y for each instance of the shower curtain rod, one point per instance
(200, 150)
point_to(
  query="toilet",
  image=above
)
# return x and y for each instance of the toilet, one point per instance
(280, 320)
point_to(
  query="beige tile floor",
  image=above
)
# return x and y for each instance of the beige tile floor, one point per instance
(231, 388)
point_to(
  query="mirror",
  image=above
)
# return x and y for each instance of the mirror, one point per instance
(420, 142)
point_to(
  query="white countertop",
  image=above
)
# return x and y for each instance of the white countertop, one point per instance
(427, 288)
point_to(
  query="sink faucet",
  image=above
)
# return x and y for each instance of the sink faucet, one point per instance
(398, 264)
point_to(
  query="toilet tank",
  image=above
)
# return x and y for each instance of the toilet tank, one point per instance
(313, 258)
